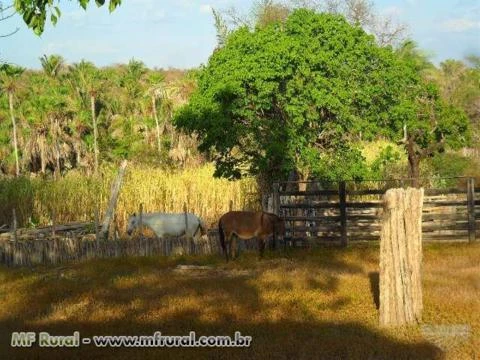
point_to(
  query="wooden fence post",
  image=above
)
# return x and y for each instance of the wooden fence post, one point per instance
(54, 222)
(14, 225)
(115, 232)
(97, 234)
(188, 235)
(113, 200)
(342, 193)
(401, 257)
(140, 220)
(276, 199)
(471, 209)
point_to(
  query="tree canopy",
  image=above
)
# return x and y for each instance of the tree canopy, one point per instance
(288, 96)
(297, 95)
(35, 12)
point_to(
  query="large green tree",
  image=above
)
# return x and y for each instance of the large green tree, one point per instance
(289, 96)
(297, 95)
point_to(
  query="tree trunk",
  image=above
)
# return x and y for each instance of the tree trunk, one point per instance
(95, 132)
(15, 143)
(401, 257)
(43, 161)
(54, 125)
(113, 200)
(413, 164)
(155, 115)
(78, 153)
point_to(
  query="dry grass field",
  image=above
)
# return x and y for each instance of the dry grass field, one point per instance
(75, 196)
(317, 304)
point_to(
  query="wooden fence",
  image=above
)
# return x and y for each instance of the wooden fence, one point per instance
(351, 212)
(61, 250)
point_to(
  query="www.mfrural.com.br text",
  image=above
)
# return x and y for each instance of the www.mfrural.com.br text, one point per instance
(46, 340)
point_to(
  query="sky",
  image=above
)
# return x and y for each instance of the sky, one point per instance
(181, 34)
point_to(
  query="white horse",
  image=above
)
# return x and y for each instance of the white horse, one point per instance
(164, 225)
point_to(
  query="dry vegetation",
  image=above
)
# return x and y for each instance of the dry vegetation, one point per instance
(74, 197)
(298, 305)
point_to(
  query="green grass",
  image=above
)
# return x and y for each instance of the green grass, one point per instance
(316, 304)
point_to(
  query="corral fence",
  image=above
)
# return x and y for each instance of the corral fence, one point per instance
(66, 249)
(315, 213)
(337, 213)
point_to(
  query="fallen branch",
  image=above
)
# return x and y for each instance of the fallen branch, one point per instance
(77, 228)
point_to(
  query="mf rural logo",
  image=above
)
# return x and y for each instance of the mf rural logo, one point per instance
(27, 339)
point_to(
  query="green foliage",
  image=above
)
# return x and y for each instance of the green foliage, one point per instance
(459, 85)
(387, 157)
(53, 112)
(35, 12)
(432, 123)
(293, 96)
(449, 164)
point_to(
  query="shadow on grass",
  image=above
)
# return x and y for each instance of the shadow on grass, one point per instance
(226, 304)
(283, 340)
(375, 287)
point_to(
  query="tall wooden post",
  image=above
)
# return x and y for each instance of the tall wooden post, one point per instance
(276, 208)
(97, 234)
(113, 200)
(471, 209)
(140, 220)
(188, 235)
(14, 224)
(401, 257)
(54, 223)
(342, 194)
(276, 199)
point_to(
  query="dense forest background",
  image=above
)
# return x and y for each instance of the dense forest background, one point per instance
(59, 110)
(56, 110)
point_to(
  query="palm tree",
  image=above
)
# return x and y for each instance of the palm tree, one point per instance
(10, 82)
(52, 65)
(156, 90)
(88, 85)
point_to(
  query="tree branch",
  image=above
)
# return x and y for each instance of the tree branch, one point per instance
(10, 34)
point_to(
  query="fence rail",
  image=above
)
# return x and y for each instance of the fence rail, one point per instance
(330, 216)
(351, 214)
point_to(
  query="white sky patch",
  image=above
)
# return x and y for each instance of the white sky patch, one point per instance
(460, 25)
(392, 11)
(75, 17)
(143, 2)
(159, 14)
(79, 47)
(205, 8)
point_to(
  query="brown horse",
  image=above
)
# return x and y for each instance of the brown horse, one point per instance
(247, 225)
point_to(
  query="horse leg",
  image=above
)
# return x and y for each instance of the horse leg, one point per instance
(226, 248)
(261, 245)
(233, 246)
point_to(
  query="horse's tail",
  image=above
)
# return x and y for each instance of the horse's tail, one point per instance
(221, 234)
